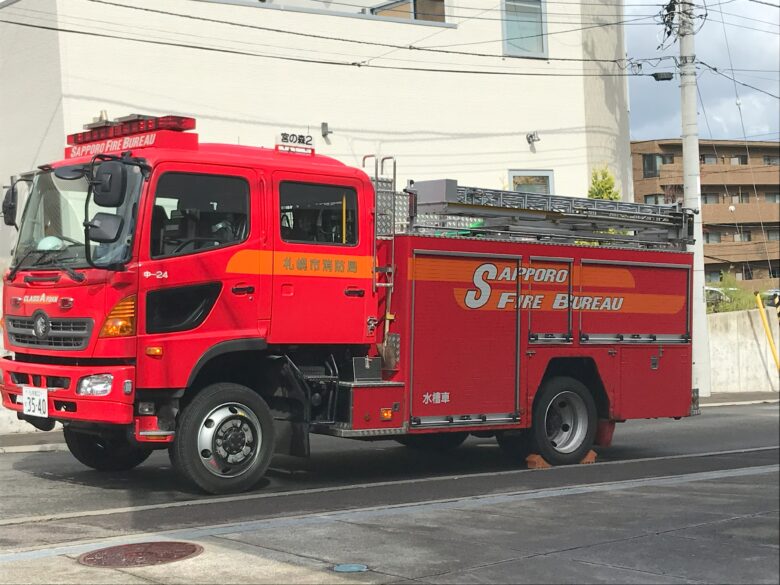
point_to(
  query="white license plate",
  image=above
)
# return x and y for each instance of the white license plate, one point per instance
(35, 401)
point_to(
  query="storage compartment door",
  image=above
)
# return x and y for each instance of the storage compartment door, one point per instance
(465, 336)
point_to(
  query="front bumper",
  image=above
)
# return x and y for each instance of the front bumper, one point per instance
(61, 382)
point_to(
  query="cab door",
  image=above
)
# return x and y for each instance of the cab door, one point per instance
(200, 220)
(323, 262)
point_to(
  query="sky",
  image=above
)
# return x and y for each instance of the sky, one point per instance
(751, 36)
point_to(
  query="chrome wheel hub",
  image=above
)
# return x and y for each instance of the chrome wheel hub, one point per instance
(229, 440)
(566, 422)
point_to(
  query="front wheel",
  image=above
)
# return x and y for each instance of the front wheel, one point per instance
(224, 439)
(105, 452)
(564, 423)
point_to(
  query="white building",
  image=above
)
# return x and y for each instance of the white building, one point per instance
(287, 65)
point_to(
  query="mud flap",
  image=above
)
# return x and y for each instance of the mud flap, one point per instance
(292, 438)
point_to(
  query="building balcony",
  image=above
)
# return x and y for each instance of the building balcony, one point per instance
(752, 213)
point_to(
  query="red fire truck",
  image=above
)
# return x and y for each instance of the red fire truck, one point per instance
(224, 302)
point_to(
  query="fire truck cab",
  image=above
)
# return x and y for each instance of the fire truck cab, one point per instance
(223, 302)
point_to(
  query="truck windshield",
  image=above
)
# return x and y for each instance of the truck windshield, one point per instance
(52, 227)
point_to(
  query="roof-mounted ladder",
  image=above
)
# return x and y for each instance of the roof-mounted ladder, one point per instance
(444, 208)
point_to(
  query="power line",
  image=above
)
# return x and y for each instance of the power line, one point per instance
(732, 79)
(356, 41)
(547, 34)
(316, 61)
(765, 3)
(747, 148)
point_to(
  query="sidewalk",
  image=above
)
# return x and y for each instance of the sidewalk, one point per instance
(37, 441)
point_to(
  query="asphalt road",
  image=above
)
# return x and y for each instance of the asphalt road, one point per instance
(716, 470)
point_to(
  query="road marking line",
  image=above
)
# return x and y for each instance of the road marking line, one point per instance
(262, 496)
(376, 511)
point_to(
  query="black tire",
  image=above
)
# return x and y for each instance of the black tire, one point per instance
(433, 441)
(105, 453)
(233, 456)
(564, 421)
(515, 444)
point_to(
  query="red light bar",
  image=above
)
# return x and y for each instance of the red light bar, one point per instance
(116, 130)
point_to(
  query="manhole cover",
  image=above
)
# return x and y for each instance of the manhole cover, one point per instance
(350, 568)
(140, 555)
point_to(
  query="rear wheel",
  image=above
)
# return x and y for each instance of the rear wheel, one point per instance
(564, 423)
(224, 439)
(434, 441)
(105, 452)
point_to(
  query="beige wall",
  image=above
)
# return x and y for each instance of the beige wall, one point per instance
(469, 127)
(31, 105)
(606, 99)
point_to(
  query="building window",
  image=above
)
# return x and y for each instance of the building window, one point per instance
(747, 272)
(711, 237)
(743, 236)
(713, 276)
(740, 159)
(710, 198)
(774, 270)
(651, 163)
(772, 160)
(657, 199)
(524, 28)
(532, 181)
(431, 10)
(740, 197)
(649, 166)
(773, 235)
(772, 197)
(708, 159)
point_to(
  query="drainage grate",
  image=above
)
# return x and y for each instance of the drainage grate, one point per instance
(142, 554)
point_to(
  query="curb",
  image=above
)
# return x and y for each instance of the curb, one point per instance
(741, 403)
(34, 448)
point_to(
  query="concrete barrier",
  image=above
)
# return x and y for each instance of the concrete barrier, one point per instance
(741, 358)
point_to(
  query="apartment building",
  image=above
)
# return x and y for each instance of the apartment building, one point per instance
(740, 191)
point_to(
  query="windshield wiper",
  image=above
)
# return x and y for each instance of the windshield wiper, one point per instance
(54, 262)
(40, 262)
(18, 265)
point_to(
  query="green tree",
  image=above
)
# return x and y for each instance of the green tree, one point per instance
(737, 298)
(602, 185)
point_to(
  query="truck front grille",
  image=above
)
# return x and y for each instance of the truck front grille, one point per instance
(63, 334)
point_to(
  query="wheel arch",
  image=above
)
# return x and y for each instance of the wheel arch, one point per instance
(251, 363)
(585, 370)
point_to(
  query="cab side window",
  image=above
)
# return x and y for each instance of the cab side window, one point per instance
(196, 213)
(318, 214)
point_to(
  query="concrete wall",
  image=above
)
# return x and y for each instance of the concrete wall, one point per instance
(739, 351)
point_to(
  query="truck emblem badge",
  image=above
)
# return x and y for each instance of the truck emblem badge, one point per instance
(41, 325)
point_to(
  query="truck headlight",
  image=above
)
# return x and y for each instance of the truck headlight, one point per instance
(97, 385)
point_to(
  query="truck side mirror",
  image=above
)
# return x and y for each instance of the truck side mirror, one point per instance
(110, 184)
(9, 206)
(105, 228)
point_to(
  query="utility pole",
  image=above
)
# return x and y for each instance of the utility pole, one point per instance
(692, 194)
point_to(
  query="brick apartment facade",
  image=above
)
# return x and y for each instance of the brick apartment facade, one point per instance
(740, 202)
